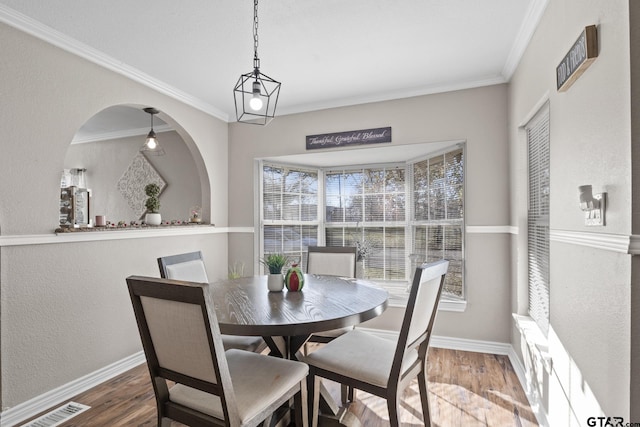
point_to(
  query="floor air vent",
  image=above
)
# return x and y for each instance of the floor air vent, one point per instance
(59, 415)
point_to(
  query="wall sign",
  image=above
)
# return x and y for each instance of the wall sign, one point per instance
(353, 137)
(583, 52)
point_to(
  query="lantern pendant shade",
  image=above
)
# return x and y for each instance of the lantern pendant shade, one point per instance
(247, 97)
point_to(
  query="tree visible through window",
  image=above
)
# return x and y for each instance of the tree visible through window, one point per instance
(289, 211)
(398, 210)
(438, 218)
(375, 200)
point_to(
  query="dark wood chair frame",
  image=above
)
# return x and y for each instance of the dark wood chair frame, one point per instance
(398, 380)
(191, 293)
(165, 261)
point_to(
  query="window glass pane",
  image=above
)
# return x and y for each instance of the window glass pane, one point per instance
(334, 210)
(438, 191)
(394, 207)
(394, 180)
(367, 208)
(538, 139)
(291, 195)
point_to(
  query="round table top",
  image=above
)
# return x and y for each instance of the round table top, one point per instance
(245, 307)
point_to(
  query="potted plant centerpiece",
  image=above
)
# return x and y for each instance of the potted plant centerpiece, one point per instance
(152, 204)
(275, 263)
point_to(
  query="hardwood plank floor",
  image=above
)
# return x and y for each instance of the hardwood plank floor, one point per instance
(465, 389)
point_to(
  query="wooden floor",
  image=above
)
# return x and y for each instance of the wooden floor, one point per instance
(465, 389)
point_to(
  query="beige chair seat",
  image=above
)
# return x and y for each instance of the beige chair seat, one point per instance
(257, 382)
(333, 333)
(239, 342)
(361, 356)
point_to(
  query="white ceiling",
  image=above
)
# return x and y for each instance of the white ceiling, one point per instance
(326, 53)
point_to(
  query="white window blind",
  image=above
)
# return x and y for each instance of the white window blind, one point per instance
(402, 214)
(438, 214)
(538, 218)
(375, 200)
(289, 211)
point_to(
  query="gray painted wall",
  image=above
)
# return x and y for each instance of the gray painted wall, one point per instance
(106, 162)
(64, 309)
(477, 116)
(590, 338)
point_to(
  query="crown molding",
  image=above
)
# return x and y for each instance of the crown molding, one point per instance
(527, 29)
(37, 29)
(390, 96)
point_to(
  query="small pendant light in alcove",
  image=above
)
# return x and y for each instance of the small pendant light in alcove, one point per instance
(151, 145)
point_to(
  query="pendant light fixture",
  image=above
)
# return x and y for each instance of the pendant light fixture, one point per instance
(256, 94)
(151, 145)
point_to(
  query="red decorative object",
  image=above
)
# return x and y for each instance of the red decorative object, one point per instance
(294, 280)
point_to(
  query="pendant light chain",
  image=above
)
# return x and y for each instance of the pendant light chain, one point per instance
(256, 60)
(255, 94)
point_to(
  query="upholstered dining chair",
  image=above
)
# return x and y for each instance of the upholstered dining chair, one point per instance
(331, 261)
(190, 267)
(211, 387)
(381, 366)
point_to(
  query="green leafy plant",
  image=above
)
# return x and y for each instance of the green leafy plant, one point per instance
(152, 203)
(236, 270)
(274, 262)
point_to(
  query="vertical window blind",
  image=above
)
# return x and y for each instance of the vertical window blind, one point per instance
(289, 211)
(438, 214)
(375, 200)
(537, 132)
(394, 213)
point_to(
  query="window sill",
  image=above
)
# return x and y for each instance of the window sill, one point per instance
(399, 296)
(536, 340)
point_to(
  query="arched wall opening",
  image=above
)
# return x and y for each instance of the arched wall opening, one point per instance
(108, 147)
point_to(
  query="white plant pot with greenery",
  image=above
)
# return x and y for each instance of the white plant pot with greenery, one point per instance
(152, 204)
(275, 263)
(275, 282)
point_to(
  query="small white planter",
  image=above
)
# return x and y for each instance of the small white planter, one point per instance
(153, 219)
(275, 282)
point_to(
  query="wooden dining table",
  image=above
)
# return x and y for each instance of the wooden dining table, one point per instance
(287, 319)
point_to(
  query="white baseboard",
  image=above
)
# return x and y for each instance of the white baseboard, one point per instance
(12, 416)
(15, 415)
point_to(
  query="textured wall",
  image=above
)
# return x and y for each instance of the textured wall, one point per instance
(64, 311)
(590, 144)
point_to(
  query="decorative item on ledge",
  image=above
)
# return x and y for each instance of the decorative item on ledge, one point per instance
(294, 278)
(195, 214)
(152, 204)
(132, 225)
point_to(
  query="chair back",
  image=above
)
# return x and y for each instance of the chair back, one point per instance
(332, 260)
(181, 338)
(420, 315)
(188, 266)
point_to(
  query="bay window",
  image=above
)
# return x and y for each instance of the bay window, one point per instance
(394, 213)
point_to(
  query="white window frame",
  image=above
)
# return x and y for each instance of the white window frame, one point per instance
(538, 282)
(448, 303)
